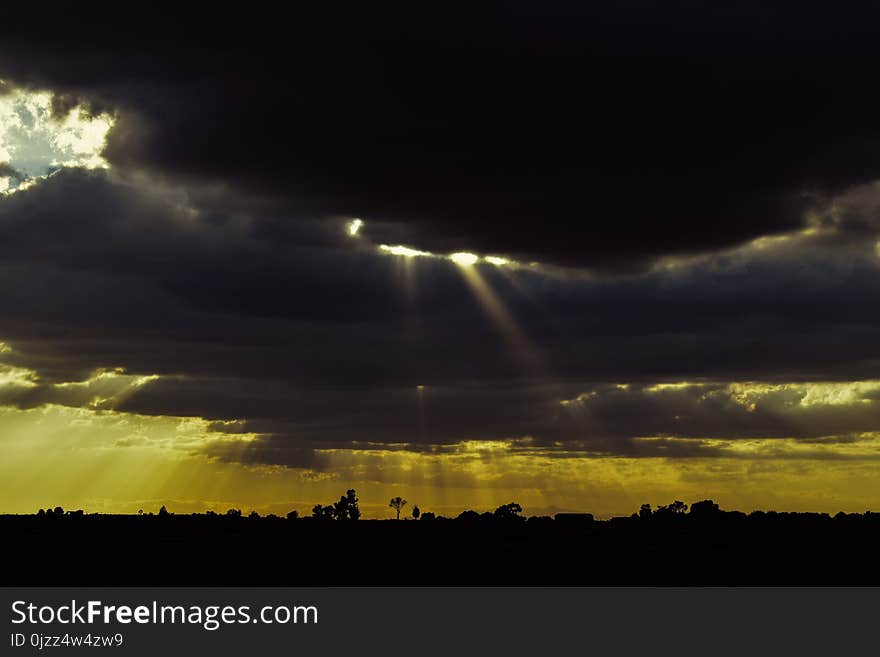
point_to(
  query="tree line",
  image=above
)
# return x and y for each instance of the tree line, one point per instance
(347, 509)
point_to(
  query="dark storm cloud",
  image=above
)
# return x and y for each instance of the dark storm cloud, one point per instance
(682, 421)
(737, 411)
(316, 345)
(102, 273)
(679, 422)
(604, 419)
(596, 136)
(214, 253)
(339, 416)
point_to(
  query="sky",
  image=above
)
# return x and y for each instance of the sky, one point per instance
(581, 258)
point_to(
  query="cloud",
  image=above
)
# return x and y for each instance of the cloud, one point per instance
(681, 420)
(688, 203)
(538, 135)
(685, 233)
(7, 171)
(807, 410)
(314, 340)
(22, 389)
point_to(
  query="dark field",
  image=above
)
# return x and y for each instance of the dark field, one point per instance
(723, 548)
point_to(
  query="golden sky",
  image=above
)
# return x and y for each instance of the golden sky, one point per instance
(109, 461)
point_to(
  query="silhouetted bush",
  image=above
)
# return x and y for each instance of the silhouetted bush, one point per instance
(509, 511)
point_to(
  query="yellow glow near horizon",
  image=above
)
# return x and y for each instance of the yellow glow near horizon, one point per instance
(495, 260)
(119, 462)
(79, 452)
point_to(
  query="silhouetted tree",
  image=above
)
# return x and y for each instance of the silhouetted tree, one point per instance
(254, 515)
(354, 511)
(645, 511)
(397, 503)
(416, 513)
(58, 511)
(324, 512)
(293, 515)
(233, 513)
(676, 508)
(468, 516)
(347, 507)
(509, 511)
(704, 508)
(41, 513)
(163, 512)
(428, 515)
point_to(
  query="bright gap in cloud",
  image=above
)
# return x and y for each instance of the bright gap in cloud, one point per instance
(461, 258)
(34, 143)
(464, 259)
(404, 251)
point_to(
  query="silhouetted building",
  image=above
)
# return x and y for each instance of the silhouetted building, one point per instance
(573, 517)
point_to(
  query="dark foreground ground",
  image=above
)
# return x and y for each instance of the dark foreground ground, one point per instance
(722, 549)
